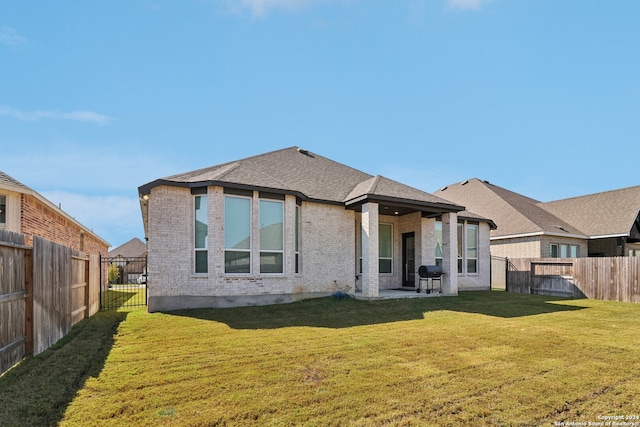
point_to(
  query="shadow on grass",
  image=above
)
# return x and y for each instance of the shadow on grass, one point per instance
(333, 313)
(119, 297)
(38, 390)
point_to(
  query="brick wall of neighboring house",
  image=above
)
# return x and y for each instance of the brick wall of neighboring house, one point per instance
(38, 219)
(546, 241)
(522, 247)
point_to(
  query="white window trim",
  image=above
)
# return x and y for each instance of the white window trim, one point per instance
(281, 251)
(250, 250)
(206, 243)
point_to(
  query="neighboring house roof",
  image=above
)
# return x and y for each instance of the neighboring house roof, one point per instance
(311, 177)
(607, 214)
(11, 184)
(133, 248)
(515, 214)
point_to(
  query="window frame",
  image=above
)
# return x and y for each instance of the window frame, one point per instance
(380, 257)
(3, 211)
(281, 251)
(228, 250)
(202, 200)
(467, 227)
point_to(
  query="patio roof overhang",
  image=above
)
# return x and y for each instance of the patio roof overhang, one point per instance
(398, 206)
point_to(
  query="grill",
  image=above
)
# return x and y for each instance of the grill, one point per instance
(433, 272)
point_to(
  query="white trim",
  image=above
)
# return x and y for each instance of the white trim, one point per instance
(542, 233)
(608, 236)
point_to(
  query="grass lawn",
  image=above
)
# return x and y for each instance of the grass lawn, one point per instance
(482, 358)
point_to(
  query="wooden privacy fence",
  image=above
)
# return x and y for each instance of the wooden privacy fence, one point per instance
(610, 279)
(45, 289)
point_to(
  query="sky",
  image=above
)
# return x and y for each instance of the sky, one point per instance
(97, 98)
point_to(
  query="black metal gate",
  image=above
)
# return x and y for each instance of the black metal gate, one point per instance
(123, 282)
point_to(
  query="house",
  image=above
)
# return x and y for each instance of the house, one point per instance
(291, 224)
(22, 210)
(131, 260)
(602, 224)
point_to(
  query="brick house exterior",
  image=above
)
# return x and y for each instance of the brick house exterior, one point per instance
(290, 225)
(601, 224)
(22, 210)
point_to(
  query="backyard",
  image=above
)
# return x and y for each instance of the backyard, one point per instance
(482, 358)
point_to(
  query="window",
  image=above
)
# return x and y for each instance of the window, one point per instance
(385, 248)
(439, 242)
(472, 248)
(3, 212)
(460, 247)
(574, 251)
(237, 235)
(271, 236)
(298, 239)
(201, 233)
(563, 251)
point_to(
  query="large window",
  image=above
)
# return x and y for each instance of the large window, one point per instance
(201, 234)
(467, 247)
(385, 241)
(385, 248)
(3, 212)
(472, 248)
(439, 242)
(298, 219)
(460, 247)
(271, 236)
(237, 235)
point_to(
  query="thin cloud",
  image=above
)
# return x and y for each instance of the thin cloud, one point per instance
(38, 115)
(467, 4)
(10, 37)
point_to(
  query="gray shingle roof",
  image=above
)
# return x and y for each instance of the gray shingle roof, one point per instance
(133, 248)
(7, 180)
(610, 213)
(306, 174)
(513, 213)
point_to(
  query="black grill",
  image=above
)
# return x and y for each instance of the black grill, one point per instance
(433, 272)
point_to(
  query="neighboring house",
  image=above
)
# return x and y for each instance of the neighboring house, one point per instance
(602, 224)
(22, 210)
(130, 257)
(290, 224)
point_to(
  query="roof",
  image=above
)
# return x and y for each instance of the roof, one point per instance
(513, 213)
(305, 174)
(131, 249)
(9, 183)
(610, 213)
(310, 177)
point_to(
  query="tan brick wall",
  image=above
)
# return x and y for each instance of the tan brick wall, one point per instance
(534, 246)
(327, 235)
(38, 219)
(523, 247)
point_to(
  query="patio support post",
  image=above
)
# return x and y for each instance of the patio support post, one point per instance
(450, 253)
(370, 251)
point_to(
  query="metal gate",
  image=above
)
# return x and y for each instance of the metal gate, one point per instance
(123, 282)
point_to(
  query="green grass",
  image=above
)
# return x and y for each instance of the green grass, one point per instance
(483, 358)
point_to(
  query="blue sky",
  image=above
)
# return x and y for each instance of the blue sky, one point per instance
(97, 98)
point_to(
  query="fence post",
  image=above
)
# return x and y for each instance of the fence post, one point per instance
(28, 309)
(87, 288)
(506, 274)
